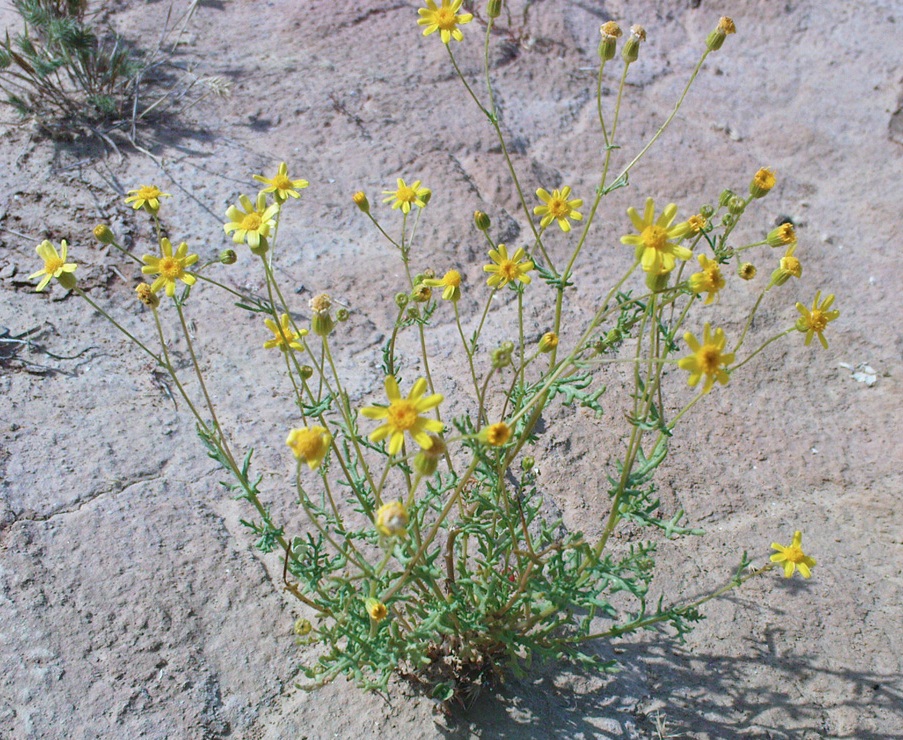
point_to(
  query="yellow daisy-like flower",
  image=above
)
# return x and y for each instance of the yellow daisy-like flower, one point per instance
(146, 197)
(376, 609)
(710, 280)
(657, 254)
(282, 186)
(507, 269)
(252, 222)
(789, 267)
(406, 196)
(170, 267)
(309, 445)
(707, 359)
(763, 181)
(814, 320)
(392, 519)
(558, 208)
(450, 282)
(496, 434)
(55, 266)
(404, 415)
(284, 336)
(697, 223)
(444, 19)
(793, 557)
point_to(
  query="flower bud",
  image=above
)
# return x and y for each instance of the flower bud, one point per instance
(392, 519)
(736, 205)
(548, 342)
(426, 461)
(762, 182)
(307, 372)
(322, 323)
(67, 280)
(728, 220)
(789, 267)
(611, 32)
(376, 609)
(103, 234)
(303, 627)
(501, 357)
(494, 8)
(495, 435)
(401, 299)
(426, 197)
(421, 293)
(706, 211)
(360, 200)
(631, 49)
(527, 464)
(747, 271)
(342, 315)
(716, 38)
(725, 197)
(781, 236)
(481, 220)
(697, 223)
(147, 296)
(228, 257)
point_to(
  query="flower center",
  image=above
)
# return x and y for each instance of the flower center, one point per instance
(170, 268)
(402, 415)
(794, 554)
(445, 19)
(52, 265)
(654, 237)
(452, 278)
(406, 194)
(792, 265)
(710, 359)
(508, 270)
(817, 320)
(282, 182)
(559, 208)
(713, 276)
(147, 192)
(307, 444)
(251, 222)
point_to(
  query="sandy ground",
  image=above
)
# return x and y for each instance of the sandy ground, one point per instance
(132, 603)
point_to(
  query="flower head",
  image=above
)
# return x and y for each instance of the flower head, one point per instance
(252, 222)
(495, 435)
(376, 609)
(781, 236)
(407, 195)
(146, 197)
(653, 248)
(710, 280)
(507, 269)
(146, 295)
(309, 445)
(558, 208)
(282, 186)
(392, 519)
(404, 415)
(814, 320)
(696, 223)
(55, 265)
(170, 267)
(789, 267)
(793, 557)
(450, 282)
(284, 336)
(443, 19)
(707, 359)
(763, 181)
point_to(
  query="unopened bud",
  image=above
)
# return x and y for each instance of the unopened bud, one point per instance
(501, 357)
(725, 197)
(527, 464)
(548, 342)
(706, 211)
(322, 323)
(343, 314)
(736, 205)
(747, 271)
(494, 8)
(426, 197)
(762, 182)
(360, 200)
(303, 627)
(307, 372)
(421, 293)
(481, 220)
(147, 296)
(426, 461)
(401, 299)
(392, 519)
(781, 236)
(228, 257)
(103, 234)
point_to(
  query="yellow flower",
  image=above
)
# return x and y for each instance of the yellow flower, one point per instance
(392, 519)
(450, 281)
(653, 248)
(710, 280)
(376, 609)
(443, 19)
(170, 267)
(789, 267)
(793, 557)
(403, 415)
(781, 236)
(284, 336)
(507, 269)
(707, 358)
(282, 186)
(147, 197)
(406, 195)
(558, 208)
(55, 266)
(697, 223)
(495, 435)
(147, 296)
(813, 321)
(309, 445)
(251, 223)
(763, 181)
(548, 342)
